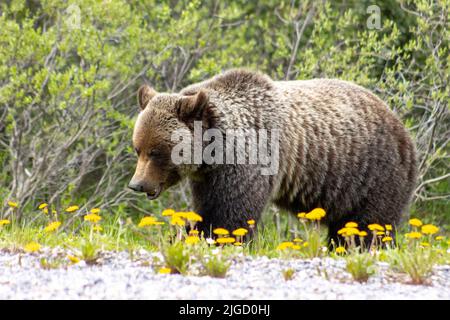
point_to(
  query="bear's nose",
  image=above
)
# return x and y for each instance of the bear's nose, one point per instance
(136, 187)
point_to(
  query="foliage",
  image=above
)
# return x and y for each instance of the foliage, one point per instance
(69, 71)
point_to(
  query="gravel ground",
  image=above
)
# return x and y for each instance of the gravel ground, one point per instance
(119, 277)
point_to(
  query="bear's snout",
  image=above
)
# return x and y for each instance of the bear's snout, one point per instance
(152, 192)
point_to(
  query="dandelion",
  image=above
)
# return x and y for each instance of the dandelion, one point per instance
(305, 244)
(45, 210)
(429, 229)
(413, 235)
(52, 226)
(297, 240)
(251, 222)
(165, 271)
(32, 247)
(285, 245)
(362, 234)
(225, 240)
(168, 212)
(315, 214)
(380, 233)
(221, 232)
(375, 227)
(95, 210)
(386, 239)
(72, 208)
(415, 222)
(340, 250)
(92, 217)
(192, 216)
(237, 244)
(351, 225)
(301, 215)
(192, 240)
(97, 228)
(348, 232)
(73, 259)
(240, 232)
(296, 247)
(43, 206)
(193, 232)
(177, 221)
(13, 204)
(438, 238)
(424, 244)
(4, 222)
(388, 227)
(147, 221)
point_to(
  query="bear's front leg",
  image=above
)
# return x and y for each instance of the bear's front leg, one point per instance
(230, 195)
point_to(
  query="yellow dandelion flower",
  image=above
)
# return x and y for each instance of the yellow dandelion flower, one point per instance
(180, 214)
(429, 229)
(45, 210)
(438, 238)
(237, 244)
(388, 227)
(147, 221)
(285, 245)
(362, 234)
(424, 244)
(43, 206)
(177, 221)
(97, 228)
(251, 222)
(375, 227)
(221, 232)
(73, 259)
(72, 208)
(95, 210)
(380, 233)
(351, 224)
(301, 215)
(315, 214)
(240, 232)
(192, 240)
(92, 218)
(386, 239)
(306, 243)
(13, 204)
(225, 240)
(297, 240)
(32, 247)
(4, 222)
(168, 212)
(192, 216)
(415, 222)
(52, 226)
(193, 232)
(340, 250)
(296, 247)
(165, 271)
(348, 232)
(413, 235)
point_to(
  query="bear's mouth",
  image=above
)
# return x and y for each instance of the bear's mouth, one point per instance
(154, 194)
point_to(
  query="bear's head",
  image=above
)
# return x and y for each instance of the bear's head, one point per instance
(160, 115)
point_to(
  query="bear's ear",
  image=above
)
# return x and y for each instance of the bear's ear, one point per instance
(191, 108)
(145, 94)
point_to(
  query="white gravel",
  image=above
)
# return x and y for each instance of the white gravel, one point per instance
(119, 277)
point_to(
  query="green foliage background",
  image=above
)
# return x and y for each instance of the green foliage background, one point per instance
(69, 71)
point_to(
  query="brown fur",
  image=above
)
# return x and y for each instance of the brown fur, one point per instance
(341, 149)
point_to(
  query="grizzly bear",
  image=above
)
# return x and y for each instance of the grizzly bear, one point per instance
(340, 149)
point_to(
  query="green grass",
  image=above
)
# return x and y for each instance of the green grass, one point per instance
(79, 238)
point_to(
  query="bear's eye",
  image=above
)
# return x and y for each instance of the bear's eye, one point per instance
(154, 153)
(138, 152)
